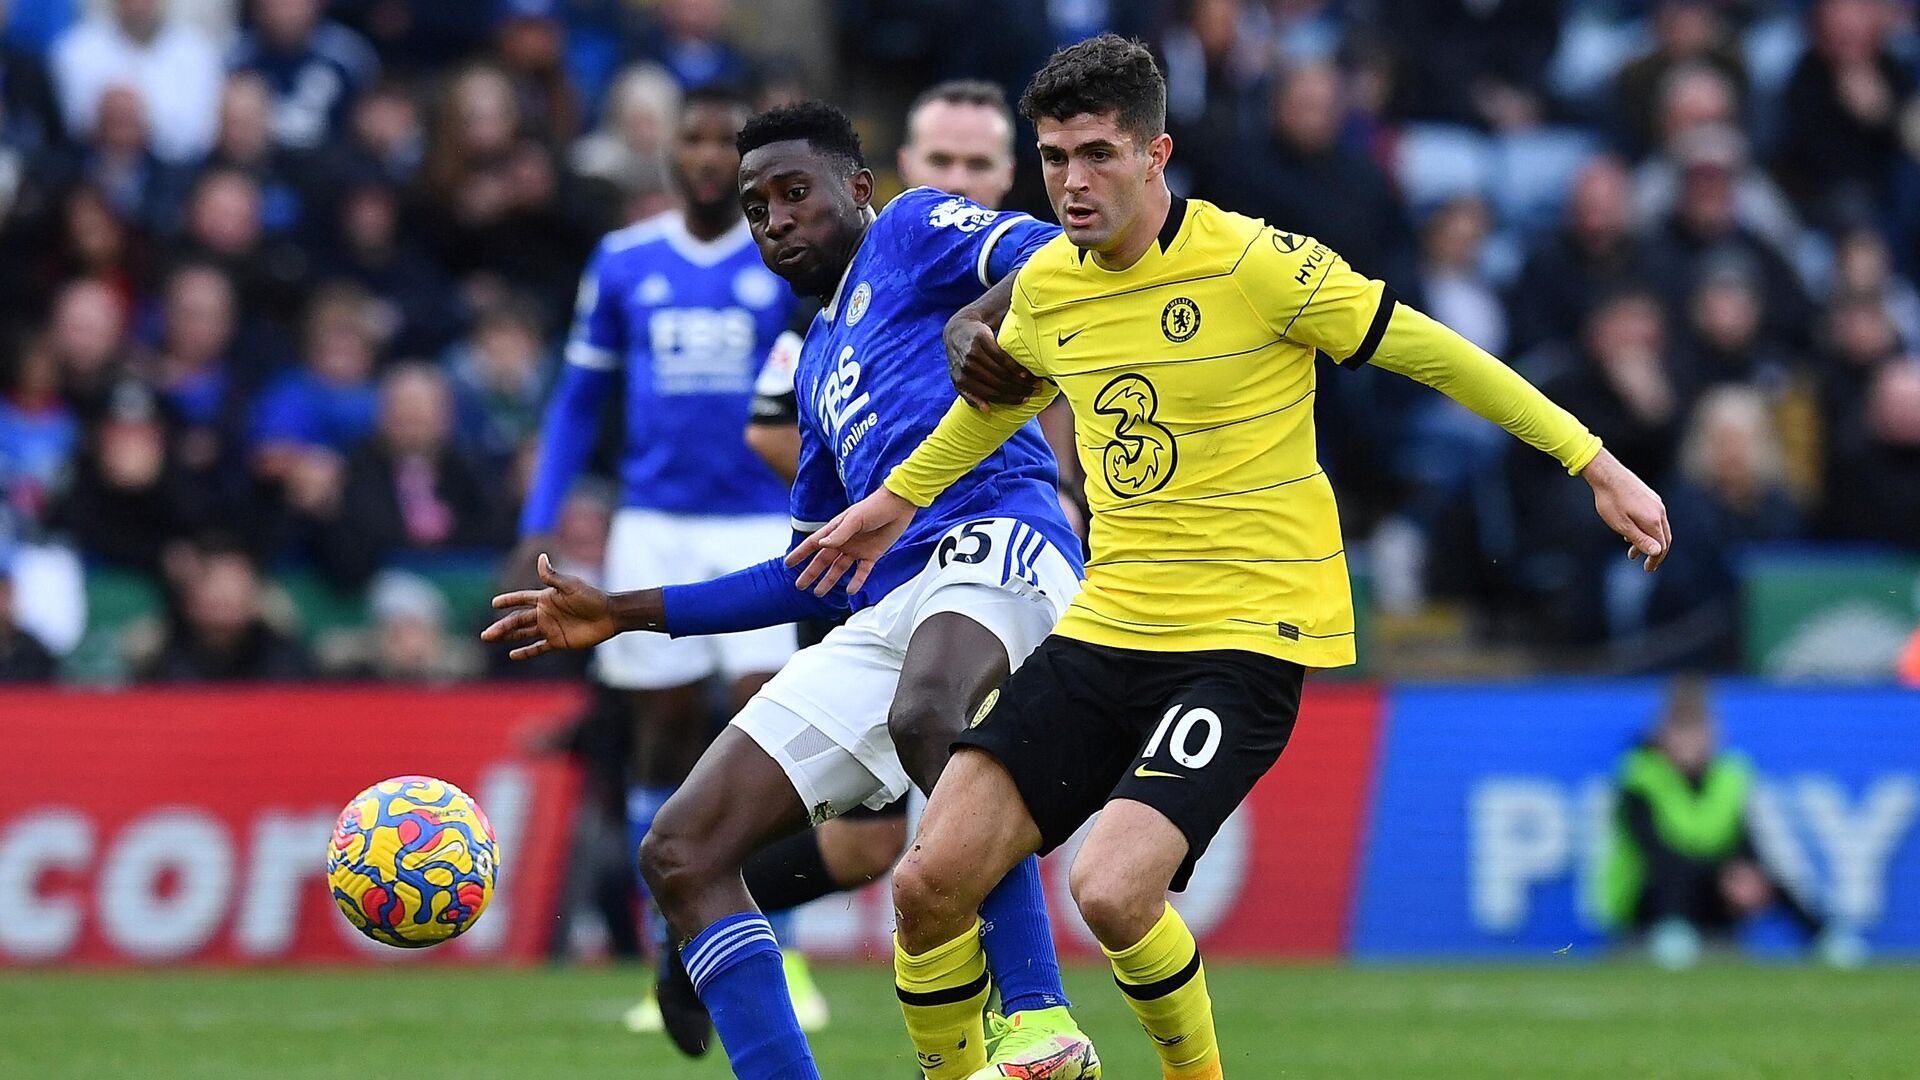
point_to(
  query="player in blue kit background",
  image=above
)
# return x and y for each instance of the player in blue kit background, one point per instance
(873, 708)
(675, 314)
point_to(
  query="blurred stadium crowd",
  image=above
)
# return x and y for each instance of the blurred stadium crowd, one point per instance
(283, 281)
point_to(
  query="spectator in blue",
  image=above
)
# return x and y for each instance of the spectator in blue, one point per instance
(192, 369)
(415, 296)
(692, 39)
(313, 68)
(531, 44)
(30, 120)
(385, 136)
(38, 435)
(118, 161)
(245, 145)
(225, 225)
(413, 38)
(500, 377)
(328, 404)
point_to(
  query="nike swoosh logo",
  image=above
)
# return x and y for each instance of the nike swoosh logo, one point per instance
(1145, 773)
(1060, 340)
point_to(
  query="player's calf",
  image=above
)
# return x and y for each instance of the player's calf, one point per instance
(1119, 881)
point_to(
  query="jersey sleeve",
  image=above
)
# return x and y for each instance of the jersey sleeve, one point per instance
(1308, 294)
(958, 247)
(774, 403)
(599, 337)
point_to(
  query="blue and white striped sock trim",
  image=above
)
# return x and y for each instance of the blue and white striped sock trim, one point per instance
(721, 945)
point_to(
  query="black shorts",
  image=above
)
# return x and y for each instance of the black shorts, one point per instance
(1187, 733)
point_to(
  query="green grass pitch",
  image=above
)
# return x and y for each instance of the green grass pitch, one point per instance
(1607, 1020)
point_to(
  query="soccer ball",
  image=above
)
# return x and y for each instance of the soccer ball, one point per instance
(412, 862)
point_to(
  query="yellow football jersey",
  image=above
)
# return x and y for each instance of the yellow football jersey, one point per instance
(1191, 375)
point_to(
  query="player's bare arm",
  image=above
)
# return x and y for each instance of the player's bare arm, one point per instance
(570, 614)
(983, 372)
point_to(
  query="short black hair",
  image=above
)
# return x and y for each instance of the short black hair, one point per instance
(723, 95)
(965, 92)
(1104, 74)
(824, 127)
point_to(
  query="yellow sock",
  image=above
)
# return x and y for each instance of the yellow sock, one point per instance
(942, 993)
(1166, 984)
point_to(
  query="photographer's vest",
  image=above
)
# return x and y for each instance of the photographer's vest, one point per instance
(1701, 823)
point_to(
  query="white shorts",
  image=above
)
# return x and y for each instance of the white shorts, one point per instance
(646, 548)
(824, 717)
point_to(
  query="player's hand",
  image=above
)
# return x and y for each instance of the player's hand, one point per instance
(982, 371)
(567, 614)
(1630, 508)
(852, 541)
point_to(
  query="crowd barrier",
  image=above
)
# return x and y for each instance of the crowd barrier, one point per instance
(1417, 822)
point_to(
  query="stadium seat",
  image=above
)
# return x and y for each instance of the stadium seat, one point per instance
(1531, 172)
(1437, 162)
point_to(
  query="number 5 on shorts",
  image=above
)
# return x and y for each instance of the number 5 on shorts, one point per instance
(1180, 745)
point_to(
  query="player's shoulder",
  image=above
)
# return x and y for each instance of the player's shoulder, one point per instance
(1218, 240)
(1050, 273)
(636, 239)
(1232, 243)
(930, 213)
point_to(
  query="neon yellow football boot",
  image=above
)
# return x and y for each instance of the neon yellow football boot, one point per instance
(1038, 1044)
(809, 1004)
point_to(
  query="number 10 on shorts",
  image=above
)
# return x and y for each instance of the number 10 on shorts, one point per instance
(1177, 729)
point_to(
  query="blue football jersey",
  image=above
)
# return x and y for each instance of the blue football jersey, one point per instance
(687, 324)
(871, 381)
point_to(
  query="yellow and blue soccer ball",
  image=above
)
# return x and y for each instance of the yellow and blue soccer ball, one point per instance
(412, 862)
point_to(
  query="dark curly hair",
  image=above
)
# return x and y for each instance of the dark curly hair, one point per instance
(824, 127)
(1104, 74)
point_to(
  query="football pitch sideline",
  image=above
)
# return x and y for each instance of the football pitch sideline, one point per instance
(1604, 1020)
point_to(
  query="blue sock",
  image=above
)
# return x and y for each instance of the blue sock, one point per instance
(643, 805)
(735, 966)
(782, 924)
(1019, 942)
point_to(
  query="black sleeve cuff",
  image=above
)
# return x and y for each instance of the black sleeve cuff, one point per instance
(1375, 331)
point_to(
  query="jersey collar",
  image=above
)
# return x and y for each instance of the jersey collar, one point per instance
(833, 305)
(1176, 217)
(706, 252)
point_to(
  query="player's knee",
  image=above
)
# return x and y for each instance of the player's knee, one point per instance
(672, 864)
(1116, 908)
(920, 896)
(923, 721)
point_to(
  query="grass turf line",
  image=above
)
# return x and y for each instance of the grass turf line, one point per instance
(1601, 1021)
